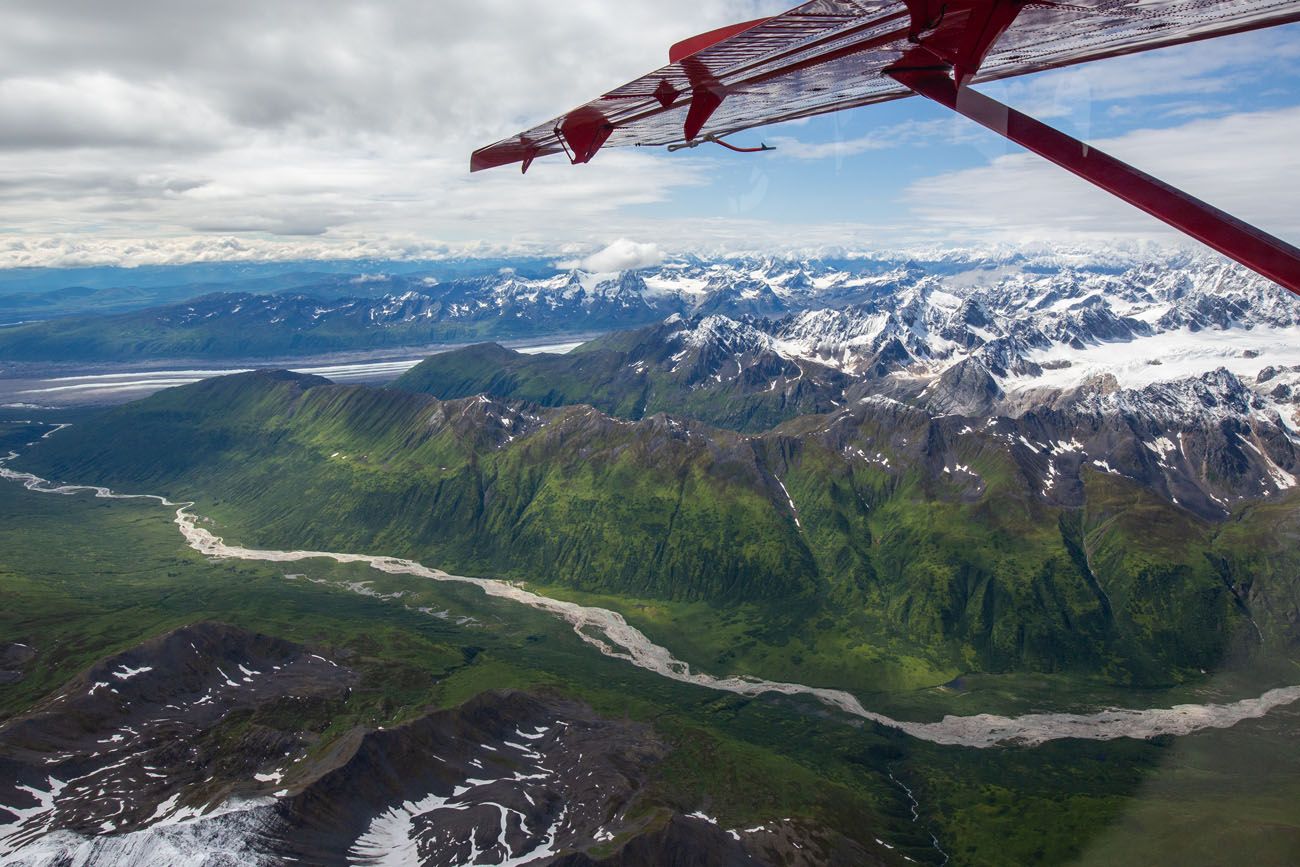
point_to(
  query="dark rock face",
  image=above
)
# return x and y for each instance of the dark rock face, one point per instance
(966, 388)
(682, 842)
(1201, 441)
(14, 658)
(742, 297)
(1091, 322)
(109, 751)
(157, 756)
(505, 776)
(696, 841)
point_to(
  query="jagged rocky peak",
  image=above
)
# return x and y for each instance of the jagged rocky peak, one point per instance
(966, 388)
(1204, 442)
(972, 312)
(1012, 355)
(1020, 323)
(833, 334)
(1206, 399)
(1092, 321)
(1280, 384)
(486, 422)
(722, 333)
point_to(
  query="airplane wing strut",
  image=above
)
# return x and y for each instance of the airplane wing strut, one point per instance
(1257, 250)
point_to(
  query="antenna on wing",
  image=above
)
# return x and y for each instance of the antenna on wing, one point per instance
(717, 140)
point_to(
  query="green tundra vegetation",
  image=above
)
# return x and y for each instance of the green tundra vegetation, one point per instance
(84, 578)
(789, 554)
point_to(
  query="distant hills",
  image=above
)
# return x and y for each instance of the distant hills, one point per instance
(999, 311)
(28, 294)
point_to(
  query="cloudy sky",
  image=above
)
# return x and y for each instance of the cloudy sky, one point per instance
(143, 131)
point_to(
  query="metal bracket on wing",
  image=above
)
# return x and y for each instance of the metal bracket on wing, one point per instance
(529, 156)
(583, 132)
(707, 94)
(958, 33)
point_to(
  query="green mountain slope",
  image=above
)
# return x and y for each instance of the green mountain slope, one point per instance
(836, 549)
(578, 498)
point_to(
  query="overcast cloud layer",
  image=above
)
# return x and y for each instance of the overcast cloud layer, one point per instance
(143, 120)
(142, 131)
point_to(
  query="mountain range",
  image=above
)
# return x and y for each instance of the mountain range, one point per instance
(944, 543)
(958, 488)
(1002, 311)
(867, 456)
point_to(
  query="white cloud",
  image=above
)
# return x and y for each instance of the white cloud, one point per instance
(1198, 71)
(1247, 164)
(347, 123)
(98, 109)
(622, 255)
(915, 133)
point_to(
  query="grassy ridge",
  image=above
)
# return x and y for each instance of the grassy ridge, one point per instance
(584, 500)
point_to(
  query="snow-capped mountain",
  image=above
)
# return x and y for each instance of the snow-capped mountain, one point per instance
(1076, 342)
(1181, 374)
(975, 331)
(1018, 315)
(1013, 342)
(1187, 381)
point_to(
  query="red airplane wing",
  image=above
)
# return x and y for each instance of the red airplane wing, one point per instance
(830, 55)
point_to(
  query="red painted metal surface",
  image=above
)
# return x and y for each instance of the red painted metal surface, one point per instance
(696, 44)
(1257, 250)
(704, 102)
(829, 55)
(959, 33)
(506, 153)
(583, 132)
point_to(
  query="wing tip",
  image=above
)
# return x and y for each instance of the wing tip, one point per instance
(684, 49)
(501, 154)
